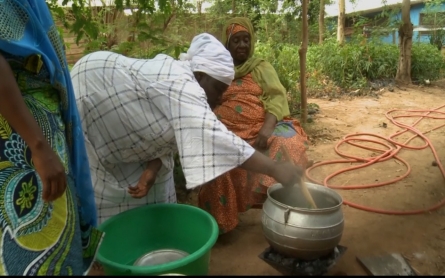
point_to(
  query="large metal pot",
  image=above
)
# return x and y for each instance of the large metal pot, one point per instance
(295, 230)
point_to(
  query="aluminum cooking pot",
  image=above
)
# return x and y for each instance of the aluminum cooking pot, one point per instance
(293, 229)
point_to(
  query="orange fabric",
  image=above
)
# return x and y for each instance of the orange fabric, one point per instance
(236, 191)
(235, 28)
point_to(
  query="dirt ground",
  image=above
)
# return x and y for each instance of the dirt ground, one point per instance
(419, 238)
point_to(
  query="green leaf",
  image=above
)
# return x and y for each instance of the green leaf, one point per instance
(162, 5)
(5, 129)
(208, 207)
(278, 156)
(223, 200)
(119, 4)
(178, 51)
(79, 36)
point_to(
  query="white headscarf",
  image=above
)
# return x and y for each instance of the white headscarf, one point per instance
(206, 54)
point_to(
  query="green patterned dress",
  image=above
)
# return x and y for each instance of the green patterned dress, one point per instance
(39, 238)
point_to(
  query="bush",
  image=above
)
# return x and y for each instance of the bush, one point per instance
(284, 58)
(426, 62)
(351, 65)
(354, 63)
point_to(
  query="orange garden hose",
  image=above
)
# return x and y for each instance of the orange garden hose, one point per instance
(391, 151)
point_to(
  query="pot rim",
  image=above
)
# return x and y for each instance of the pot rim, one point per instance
(309, 184)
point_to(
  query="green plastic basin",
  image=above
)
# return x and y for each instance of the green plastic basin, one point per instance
(138, 231)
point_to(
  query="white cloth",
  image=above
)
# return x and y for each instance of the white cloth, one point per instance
(206, 54)
(134, 111)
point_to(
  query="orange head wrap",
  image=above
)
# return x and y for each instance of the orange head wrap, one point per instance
(233, 29)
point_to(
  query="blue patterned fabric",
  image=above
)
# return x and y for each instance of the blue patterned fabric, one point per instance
(27, 28)
(39, 238)
(284, 129)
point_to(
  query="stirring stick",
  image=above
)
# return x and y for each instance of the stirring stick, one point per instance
(306, 192)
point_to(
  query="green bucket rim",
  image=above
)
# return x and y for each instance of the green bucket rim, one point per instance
(171, 265)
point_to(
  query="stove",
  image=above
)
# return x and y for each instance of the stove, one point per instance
(293, 266)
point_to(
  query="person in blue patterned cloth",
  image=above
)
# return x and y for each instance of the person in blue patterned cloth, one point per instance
(47, 209)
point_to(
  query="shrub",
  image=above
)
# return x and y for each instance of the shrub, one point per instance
(351, 65)
(354, 63)
(284, 58)
(426, 62)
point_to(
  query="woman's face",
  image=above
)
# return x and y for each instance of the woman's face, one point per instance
(239, 47)
(213, 88)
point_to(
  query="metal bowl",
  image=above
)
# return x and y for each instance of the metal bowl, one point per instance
(161, 256)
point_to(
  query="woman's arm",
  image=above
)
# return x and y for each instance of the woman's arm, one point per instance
(274, 99)
(14, 110)
(206, 147)
(147, 179)
(266, 131)
(283, 172)
(270, 120)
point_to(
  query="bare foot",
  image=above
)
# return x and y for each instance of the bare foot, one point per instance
(97, 266)
(96, 270)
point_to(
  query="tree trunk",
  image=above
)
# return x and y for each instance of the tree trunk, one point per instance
(302, 53)
(321, 22)
(171, 17)
(199, 6)
(169, 20)
(233, 8)
(114, 39)
(403, 75)
(341, 22)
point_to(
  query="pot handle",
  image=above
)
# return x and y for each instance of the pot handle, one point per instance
(286, 216)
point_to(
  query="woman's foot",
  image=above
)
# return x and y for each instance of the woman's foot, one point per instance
(97, 266)
(96, 270)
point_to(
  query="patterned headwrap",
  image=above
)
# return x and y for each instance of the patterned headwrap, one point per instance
(233, 29)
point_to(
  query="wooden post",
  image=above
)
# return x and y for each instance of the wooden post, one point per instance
(403, 75)
(341, 22)
(321, 22)
(302, 53)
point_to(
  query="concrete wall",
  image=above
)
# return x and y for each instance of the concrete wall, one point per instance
(392, 36)
(415, 19)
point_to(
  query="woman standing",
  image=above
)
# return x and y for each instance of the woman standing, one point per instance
(255, 108)
(47, 209)
(136, 113)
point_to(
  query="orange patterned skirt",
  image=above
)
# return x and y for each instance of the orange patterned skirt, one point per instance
(238, 190)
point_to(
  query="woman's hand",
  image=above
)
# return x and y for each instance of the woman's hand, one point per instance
(51, 171)
(263, 135)
(147, 179)
(265, 132)
(286, 173)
